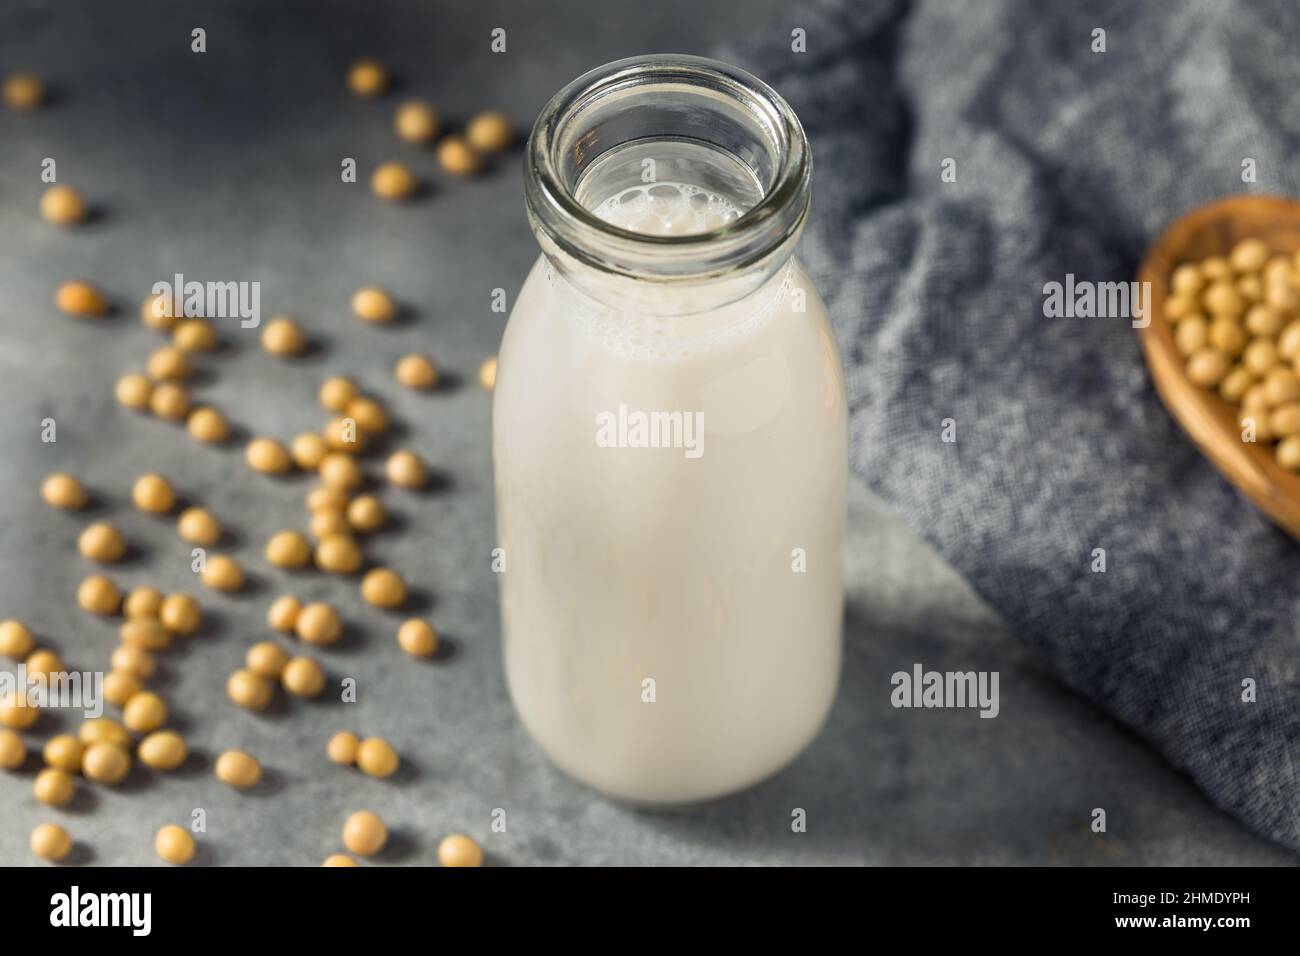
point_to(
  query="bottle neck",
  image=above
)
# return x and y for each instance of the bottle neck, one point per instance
(667, 185)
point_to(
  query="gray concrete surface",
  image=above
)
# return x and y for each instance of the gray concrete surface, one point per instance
(225, 166)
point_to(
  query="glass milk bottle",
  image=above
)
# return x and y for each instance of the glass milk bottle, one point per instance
(669, 439)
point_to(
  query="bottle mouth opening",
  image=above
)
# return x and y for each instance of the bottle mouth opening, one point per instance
(651, 119)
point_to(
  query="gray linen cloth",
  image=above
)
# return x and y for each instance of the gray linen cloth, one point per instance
(1067, 161)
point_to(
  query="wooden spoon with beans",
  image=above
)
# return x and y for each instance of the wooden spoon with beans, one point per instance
(1214, 423)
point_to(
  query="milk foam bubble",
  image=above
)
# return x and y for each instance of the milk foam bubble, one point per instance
(668, 209)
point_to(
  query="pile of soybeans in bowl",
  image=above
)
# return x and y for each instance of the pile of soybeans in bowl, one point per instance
(1236, 320)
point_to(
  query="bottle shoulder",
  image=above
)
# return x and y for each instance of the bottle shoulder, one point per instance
(639, 321)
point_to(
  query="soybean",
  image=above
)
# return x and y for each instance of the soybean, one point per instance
(459, 850)
(372, 304)
(326, 498)
(288, 549)
(238, 769)
(16, 640)
(307, 450)
(407, 469)
(416, 371)
(338, 554)
(105, 763)
(168, 363)
(170, 400)
(489, 132)
(207, 425)
(365, 513)
(98, 595)
(51, 842)
(341, 471)
(283, 337)
(194, 335)
(64, 752)
(267, 456)
(318, 624)
(153, 494)
(158, 313)
(13, 752)
(393, 180)
(457, 157)
(143, 602)
(101, 542)
(133, 659)
(23, 91)
(44, 662)
(144, 712)
(367, 77)
(487, 373)
(368, 414)
(282, 615)
(81, 299)
(222, 573)
(180, 614)
(343, 747)
(266, 659)
(377, 758)
(15, 711)
(335, 393)
(417, 638)
(326, 523)
(198, 526)
(163, 750)
(364, 833)
(249, 690)
(416, 121)
(63, 206)
(61, 490)
(133, 390)
(303, 677)
(120, 686)
(175, 845)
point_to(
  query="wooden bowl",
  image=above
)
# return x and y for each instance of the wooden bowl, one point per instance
(1212, 423)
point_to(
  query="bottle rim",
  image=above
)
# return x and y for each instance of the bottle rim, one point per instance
(564, 222)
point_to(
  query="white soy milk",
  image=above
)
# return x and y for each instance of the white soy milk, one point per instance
(667, 209)
(672, 621)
